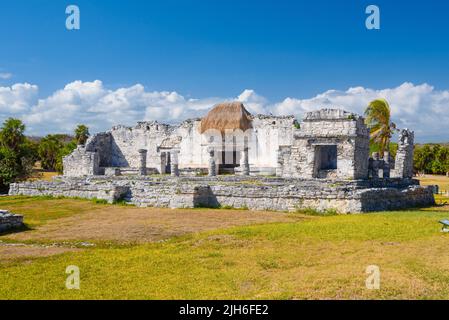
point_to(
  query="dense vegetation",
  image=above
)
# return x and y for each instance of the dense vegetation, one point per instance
(432, 158)
(19, 154)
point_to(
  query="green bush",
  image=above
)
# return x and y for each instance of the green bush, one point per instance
(17, 155)
(431, 159)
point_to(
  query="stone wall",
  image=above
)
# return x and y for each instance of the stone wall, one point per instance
(119, 147)
(81, 162)
(403, 167)
(71, 187)
(253, 193)
(10, 221)
(269, 132)
(328, 128)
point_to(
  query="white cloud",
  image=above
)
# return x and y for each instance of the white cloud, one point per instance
(252, 101)
(5, 75)
(100, 108)
(17, 99)
(419, 107)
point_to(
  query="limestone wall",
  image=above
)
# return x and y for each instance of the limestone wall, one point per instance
(254, 194)
(81, 163)
(192, 149)
(70, 187)
(127, 141)
(269, 133)
(119, 146)
(328, 128)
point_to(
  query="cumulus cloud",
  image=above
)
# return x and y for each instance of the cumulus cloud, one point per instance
(419, 107)
(253, 102)
(17, 99)
(99, 108)
(5, 75)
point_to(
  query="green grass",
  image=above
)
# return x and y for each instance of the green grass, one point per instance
(39, 210)
(321, 257)
(440, 180)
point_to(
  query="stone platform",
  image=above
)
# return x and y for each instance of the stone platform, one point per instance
(254, 193)
(10, 221)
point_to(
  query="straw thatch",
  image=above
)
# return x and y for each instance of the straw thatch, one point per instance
(227, 116)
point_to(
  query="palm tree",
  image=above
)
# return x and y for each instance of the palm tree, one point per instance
(81, 134)
(378, 117)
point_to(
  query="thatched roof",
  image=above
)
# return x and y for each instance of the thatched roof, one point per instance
(227, 116)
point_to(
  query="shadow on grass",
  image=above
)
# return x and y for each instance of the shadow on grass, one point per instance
(23, 228)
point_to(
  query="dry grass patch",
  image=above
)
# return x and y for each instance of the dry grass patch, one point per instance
(272, 261)
(14, 252)
(440, 180)
(138, 225)
(227, 254)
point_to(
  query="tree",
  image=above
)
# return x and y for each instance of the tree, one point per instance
(16, 156)
(432, 159)
(81, 134)
(374, 147)
(49, 149)
(12, 134)
(378, 117)
(423, 159)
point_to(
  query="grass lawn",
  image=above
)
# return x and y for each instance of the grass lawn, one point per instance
(221, 254)
(442, 182)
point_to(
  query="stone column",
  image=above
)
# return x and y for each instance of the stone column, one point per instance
(375, 172)
(404, 156)
(212, 164)
(244, 162)
(174, 163)
(143, 162)
(386, 169)
(280, 163)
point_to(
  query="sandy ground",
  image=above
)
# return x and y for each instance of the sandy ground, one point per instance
(139, 225)
(10, 252)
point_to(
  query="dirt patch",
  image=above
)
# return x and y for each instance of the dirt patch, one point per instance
(125, 224)
(12, 252)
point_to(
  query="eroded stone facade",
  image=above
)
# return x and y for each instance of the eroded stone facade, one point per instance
(255, 193)
(330, 143)
(119, 148)
(323, 164)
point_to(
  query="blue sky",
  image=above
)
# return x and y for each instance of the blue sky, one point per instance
(208, 50)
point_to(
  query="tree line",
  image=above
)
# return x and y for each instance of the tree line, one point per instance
(432, 158)
(19, 153)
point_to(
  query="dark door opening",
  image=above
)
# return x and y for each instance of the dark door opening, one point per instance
(229, 158)
(327, 157)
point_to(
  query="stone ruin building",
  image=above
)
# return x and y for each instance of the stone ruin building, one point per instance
(233, 158)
